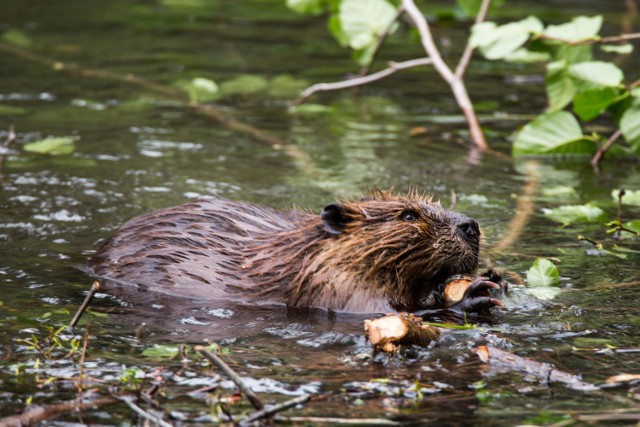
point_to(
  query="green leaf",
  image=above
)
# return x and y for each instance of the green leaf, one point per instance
(570, 214)
(630, 127)
(580, 28)
(245, 84)
(306, 7)
(543, 273)
(617, 48)
(16, 38)
(525, 56)
(8, 110)
(310, 109)
(336, 29)
(597, 72)
(559, 191)
(200, 89)
(497, 42)
(557, 132)
(362, 21)
(54, 146)
(161, 352)
(284, 85)
(633, 225)
(631, 197)
(590, 103)
(560, 87)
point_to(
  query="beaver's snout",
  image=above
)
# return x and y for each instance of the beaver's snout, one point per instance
(468, 228)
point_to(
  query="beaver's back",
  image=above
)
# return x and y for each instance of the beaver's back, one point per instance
(191, 250)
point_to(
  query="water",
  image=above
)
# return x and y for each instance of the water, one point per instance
(140, 149)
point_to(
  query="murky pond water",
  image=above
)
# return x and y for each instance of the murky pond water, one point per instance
(141, 147)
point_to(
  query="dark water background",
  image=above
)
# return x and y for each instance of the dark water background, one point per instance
(140, 150)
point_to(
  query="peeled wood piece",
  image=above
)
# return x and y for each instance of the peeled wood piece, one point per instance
(386, 333)
(507, 361)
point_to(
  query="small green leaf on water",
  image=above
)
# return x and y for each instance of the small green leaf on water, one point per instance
(306, 7)
(631, 197)
(559, 190)
(543, 273)
(8, 110)
(16, 38)
(245, 84)
(597, 72)
(570, 214)
(310, 109)
(54, 146)
(557, 132)
(617, 48)
(580, 28)
(97, 313)
(284, 85)
(161, 351)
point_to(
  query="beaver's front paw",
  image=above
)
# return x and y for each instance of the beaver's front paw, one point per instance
(475, 295)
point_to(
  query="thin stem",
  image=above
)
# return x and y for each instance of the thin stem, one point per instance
(468, 50)
(595, 161)
(359, 81)
(144, 414)
(269, 411)
(94, 288)
(233, 376)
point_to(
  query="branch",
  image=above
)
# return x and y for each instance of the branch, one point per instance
(595, 161)
(35, 414)
(359, 81)
(455, 82)
(255, 400)
(610, 39)
(83, 307)
(267, 412)
(468, 50)
(144, 414)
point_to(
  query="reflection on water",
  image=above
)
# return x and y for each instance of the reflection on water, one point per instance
(138, 151)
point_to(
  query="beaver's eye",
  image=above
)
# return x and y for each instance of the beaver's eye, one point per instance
(409, 216)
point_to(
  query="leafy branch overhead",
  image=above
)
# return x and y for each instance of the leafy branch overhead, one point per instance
(595, 88)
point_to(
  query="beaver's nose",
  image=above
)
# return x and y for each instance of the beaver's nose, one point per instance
(469, 228)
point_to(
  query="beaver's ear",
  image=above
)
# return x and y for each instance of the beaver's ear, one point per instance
(334, 218)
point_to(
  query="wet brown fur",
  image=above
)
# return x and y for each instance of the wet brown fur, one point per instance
(215, 248)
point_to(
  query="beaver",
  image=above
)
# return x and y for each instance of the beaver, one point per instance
(385, 252)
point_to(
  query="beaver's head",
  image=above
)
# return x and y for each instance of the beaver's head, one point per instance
(407, 244)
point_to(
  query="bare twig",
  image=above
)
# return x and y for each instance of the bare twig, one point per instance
(269, 411)
(595, 161)
(468, 50)
(255, 401)
(359, 81)
(85, 343)
(94, 288)
(457, 84)
(341, 421)
(594, 40)
(10, 137)
(144, 414)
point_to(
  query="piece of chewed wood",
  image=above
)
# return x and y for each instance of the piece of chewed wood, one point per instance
(388, 332)
(454, 290)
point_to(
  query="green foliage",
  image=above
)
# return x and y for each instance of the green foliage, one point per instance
(500, 41)
(542, 279)
(16, 38)
(159, 352)
(8, 110)
(570, 214)
(557, 132)
(244, 84)
(200, 89)
(54, 146)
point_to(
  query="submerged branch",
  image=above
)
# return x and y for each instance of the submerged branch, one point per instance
(35, 414)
